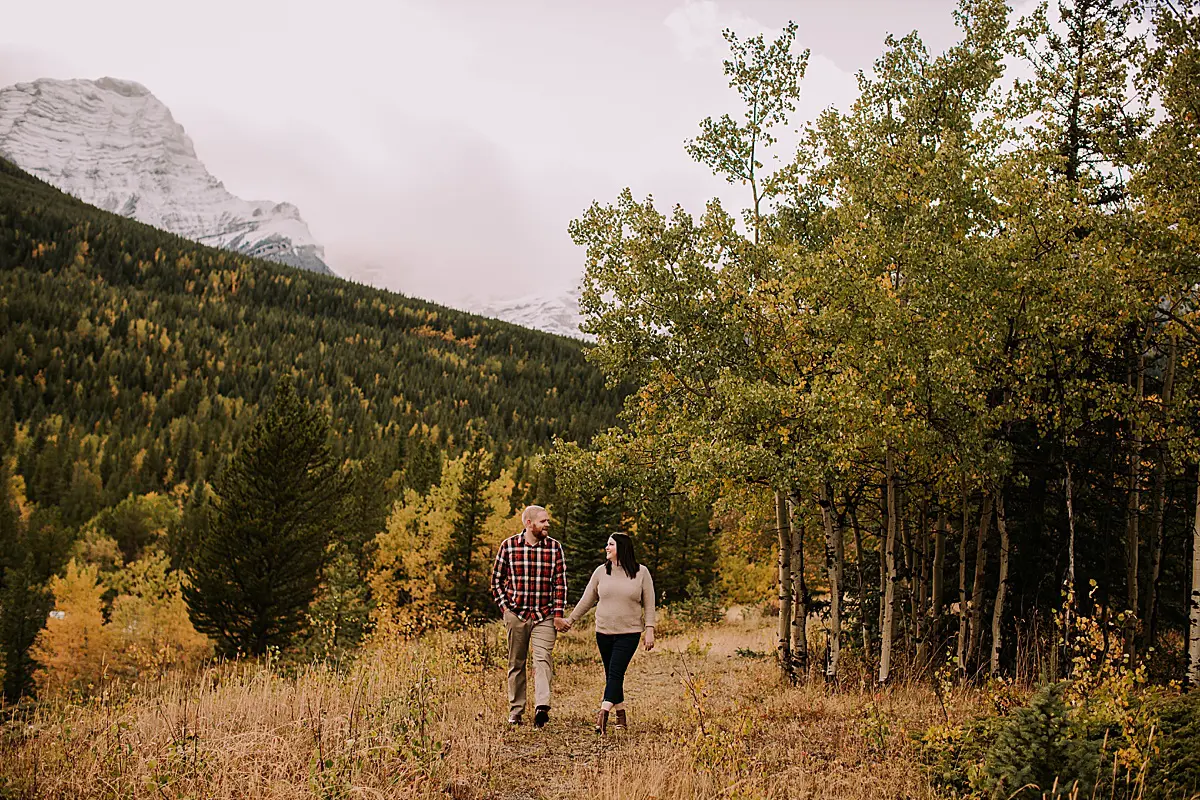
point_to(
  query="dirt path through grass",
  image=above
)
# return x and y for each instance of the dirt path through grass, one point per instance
(555, 761)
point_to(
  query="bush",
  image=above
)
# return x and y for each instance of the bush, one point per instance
(954, 755)
(1178, 761)
(701, 607)
(1038, 747)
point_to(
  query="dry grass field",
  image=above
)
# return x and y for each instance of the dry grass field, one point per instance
(424, 718)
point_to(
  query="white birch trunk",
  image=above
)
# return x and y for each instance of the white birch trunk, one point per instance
(783, 646)
(799, 591)
(889, 595)
(1150, 615)
(1194, 616)
(985, 526)
(833, 567)
(961, 651)
(1133, 513)
(1001, 587)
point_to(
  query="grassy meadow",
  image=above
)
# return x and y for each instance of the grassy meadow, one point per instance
(424, 718)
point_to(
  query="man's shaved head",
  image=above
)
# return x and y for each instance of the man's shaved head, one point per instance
(530, 512)
(536, 521)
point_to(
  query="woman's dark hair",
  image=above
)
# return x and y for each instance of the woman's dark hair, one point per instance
(625, 555)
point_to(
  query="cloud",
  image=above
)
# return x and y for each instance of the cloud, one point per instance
(825, 84)
(442, 148)
(696, 27)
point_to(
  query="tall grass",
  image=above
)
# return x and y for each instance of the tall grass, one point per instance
(424, 718)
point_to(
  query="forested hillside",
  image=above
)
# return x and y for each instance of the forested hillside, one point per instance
(133, 362)
(131, 357)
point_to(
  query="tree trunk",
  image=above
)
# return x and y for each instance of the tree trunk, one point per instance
(833, 567)
(1194, 611)
(985, 527)
(799, 591)
(910, 577)
(862, 585)
(783, 646)
(1001, 586)
(883, 529)
(1150, 615)
(962, 584)
(920, 607)
(938, 580)
(889, 594)
(1069, 599)
(1133, 510)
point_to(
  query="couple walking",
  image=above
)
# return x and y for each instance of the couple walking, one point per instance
(529, 582)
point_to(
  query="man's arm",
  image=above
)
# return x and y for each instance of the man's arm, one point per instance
(560, 581)
(500, 577)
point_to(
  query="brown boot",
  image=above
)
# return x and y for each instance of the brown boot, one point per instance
(621, 723)
(601, 721)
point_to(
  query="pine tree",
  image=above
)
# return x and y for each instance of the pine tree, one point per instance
(340, 615)
(588, 521)
(464, 556)
(31, 550)
(423, 466)
(24, 605)
(258, 566)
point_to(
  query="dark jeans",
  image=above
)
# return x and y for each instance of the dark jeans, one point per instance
(616, 651)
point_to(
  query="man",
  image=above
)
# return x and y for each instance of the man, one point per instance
(529, 582)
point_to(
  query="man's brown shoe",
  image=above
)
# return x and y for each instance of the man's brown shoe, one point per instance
(621, 723)
(601, 721)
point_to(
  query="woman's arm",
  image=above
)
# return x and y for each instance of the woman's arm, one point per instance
(648, 608)
(590, 595)
(648, 597)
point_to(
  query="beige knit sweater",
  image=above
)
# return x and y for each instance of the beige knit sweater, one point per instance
(620, 601)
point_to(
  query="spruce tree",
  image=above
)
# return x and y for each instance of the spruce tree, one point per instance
(423, 467)
(590, 519)
(24, 604)
(258, 565)
(30, 552)
(463, 555)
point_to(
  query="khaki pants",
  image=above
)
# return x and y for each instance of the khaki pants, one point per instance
(520, 634)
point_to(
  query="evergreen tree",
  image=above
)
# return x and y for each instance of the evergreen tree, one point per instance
(689, 550)
(258, 566)
(364, 513)
(340, 615)
(15, 594)
(588, 518)
(423, 466)
(464, 554)
(24, 604)
(31, 551)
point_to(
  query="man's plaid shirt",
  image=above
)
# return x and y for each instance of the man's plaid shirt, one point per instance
(530, 580)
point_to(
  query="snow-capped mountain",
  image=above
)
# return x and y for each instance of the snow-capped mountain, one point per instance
(551, 313)
(113, 144)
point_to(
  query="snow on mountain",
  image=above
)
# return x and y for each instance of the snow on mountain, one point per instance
(550, 313)
(113, 144)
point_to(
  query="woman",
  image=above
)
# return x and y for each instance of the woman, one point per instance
(624, 600)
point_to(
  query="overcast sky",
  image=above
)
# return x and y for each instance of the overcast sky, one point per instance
(440, 147)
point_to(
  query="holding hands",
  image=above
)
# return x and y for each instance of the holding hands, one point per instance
(562, 625)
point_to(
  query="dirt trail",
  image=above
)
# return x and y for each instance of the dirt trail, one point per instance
(540, 764)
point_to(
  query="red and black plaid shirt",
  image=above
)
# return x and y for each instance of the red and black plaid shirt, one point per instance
(530, 580)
